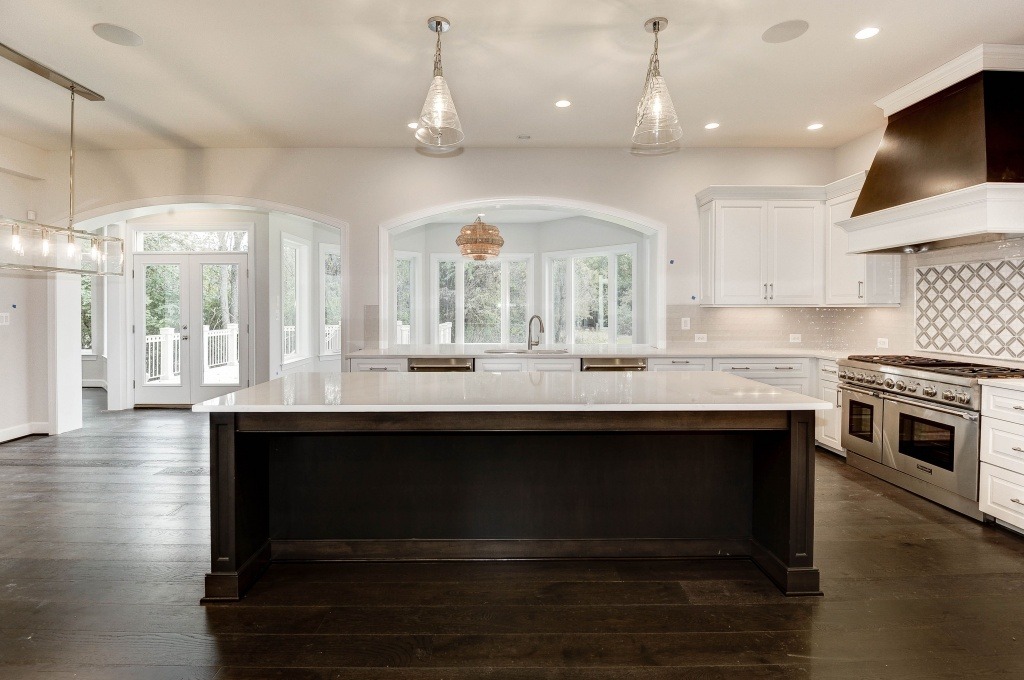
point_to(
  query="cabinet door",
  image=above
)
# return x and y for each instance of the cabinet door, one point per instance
(739, 252)
(500, 364)
(380, 365)
(845, 275)
(829, 423)
(560, 365)
(796, 257)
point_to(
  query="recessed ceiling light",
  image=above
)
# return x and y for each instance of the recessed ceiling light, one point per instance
(711, 126)
(117, 35)
(865, 33)
(413, 126)
(815, 126)
(563, 103)
(786, 31)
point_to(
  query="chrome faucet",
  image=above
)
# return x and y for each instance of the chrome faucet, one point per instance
(530, 342)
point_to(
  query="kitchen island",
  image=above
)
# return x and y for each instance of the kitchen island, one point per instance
(469, 466)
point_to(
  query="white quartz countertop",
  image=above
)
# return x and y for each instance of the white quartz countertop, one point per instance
(683, 349)
(443, 392)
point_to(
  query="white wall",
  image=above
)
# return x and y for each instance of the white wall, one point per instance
(366, 187)
(24, 374)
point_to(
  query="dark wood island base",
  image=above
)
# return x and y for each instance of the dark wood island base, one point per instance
(290, 486)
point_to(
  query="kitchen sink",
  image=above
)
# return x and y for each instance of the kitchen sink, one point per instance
(526, 351)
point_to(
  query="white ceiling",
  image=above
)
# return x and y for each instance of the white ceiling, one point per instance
(327, 73)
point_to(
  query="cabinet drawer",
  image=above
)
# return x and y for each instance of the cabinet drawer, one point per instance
(1002, 444)
(378, 365)
(562, 365)
(998, 402)
(680, 364)
(1002, 494)
(828, 371)
(764, 368)
(791, 384)
(502, 365)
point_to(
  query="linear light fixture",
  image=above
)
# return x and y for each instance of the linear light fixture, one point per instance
(45, 247)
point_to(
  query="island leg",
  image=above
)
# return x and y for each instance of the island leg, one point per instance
(239, 511)
(783, 522)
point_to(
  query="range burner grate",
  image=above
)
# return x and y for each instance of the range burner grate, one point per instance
(943, 366)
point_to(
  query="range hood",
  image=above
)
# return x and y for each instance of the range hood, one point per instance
(950, 168)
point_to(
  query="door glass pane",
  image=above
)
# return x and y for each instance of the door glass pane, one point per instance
(560, 301)
(163, 319)
(624, 299)
(590, 289)
(517, 286)
(446, 303)
(483, 301)
(860, 418)
(194, 241)
(220, 324)
(332, 302)
(87, 312)
(927, 441)
(404, 299)
(289, 300)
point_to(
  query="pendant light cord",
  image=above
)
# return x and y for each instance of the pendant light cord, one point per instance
(71, 166)
(653, 71)
(438, 71)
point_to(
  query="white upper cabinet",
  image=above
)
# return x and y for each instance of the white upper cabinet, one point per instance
(855, 279)
(779, 246)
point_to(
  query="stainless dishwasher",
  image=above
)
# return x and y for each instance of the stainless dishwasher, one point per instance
(612, 364)
(440, 365)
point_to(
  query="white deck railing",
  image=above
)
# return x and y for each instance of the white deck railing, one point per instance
(332, 338)
(163, 351)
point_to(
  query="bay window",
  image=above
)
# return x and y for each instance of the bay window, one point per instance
(590, 295)
(295, 281)
(481, 302)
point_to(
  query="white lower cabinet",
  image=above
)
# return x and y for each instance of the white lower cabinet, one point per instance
(828, 425)
(789, 374)
(679, 364)
(518, 364)
(1001, 481)
(378, 365)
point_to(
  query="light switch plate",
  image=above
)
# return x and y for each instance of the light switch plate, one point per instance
(684, 324)
(883, 343)
(795, 337)
(5, 319)
(700, 337)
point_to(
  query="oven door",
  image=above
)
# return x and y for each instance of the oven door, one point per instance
(862, 422)
(936, 444)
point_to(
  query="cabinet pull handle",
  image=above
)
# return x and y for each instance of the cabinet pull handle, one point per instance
(1017, 449)
(1016, 500)
(378, 368)
(765, 291)
(680, 361)
(741, 368)
(839, 397)
(771, 296)
(829, 370)
(860, 289)
(1018, 408)
(785, 368)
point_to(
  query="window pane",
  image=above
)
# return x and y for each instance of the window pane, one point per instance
(446, 272)
(163, 317)
(483, 301)
(560, 302)
(332, 302)
(191, 241)
(403, 299)
(590, 288)
(86, 312)
(624, 318)
(220, 324)
(289, 300)
(518, 282)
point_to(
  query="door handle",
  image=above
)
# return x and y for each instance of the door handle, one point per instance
(184, 327)
(184, 337)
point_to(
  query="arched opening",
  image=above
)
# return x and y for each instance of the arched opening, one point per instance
(590, 271)
(218, 293)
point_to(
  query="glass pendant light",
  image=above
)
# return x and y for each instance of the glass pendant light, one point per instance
(439, 124)
(479, 240)
(656, 121)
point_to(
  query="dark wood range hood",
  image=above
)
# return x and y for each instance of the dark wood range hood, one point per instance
(950, 168)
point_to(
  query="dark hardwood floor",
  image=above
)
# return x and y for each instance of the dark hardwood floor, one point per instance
(104, 543)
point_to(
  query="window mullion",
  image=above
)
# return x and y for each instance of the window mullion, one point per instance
(505, 301)
(460, 302)
(613, 298)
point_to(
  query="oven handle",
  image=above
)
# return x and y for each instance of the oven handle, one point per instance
(860, 391)
(966, 415)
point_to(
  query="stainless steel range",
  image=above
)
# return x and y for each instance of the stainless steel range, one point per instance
(914, 422)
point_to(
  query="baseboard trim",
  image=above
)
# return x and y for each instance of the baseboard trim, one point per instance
(94, 382)
(23, 430)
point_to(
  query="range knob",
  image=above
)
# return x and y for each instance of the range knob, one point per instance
(889, 383)
(948, 396)
(842, 375)
(900, 385)
(929, 392)
(913, 387)
(963, 398)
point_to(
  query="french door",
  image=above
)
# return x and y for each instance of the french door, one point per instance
(191, 327)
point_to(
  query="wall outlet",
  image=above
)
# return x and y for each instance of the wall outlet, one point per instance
(883, 343)
(684, 324)
(795, 337)
(700, 337)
